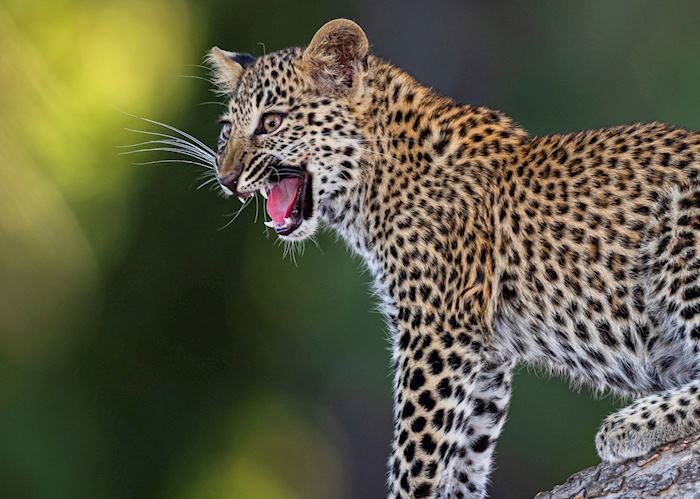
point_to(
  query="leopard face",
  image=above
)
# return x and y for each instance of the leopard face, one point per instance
(289, 132)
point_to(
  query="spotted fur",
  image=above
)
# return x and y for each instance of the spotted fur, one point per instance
(577, 252)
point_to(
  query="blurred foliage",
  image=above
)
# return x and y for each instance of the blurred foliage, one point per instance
(146, 353)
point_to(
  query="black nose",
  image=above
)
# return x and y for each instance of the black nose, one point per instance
(230, 181)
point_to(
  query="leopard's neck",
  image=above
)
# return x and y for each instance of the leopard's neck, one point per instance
(429, 173)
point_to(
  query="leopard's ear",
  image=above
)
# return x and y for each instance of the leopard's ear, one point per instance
(228, 68)
(336, 58)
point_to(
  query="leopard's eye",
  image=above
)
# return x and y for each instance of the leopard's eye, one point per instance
(269, 122)
(224, 135)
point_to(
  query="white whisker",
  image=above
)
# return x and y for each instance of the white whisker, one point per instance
(256, 207)
(194, 77)
(174, 142)
(182, 145)
(207, 182)
(178, 161)
(198, 66)
(213, 103)
(315, 241)
(206, 148)
(235, 216)
(164, 149)
(172, 128)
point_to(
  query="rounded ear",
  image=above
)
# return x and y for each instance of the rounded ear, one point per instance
(336, 58)
(228, 68)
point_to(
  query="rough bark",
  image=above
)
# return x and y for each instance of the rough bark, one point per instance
(670, 472)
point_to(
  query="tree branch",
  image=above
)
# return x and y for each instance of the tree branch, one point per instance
(671, 472)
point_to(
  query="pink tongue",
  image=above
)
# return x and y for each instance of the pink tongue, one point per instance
(281, 199)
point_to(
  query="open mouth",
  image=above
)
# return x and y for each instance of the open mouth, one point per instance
(289, 201)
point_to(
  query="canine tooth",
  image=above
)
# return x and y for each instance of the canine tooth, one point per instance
(241, 199)
(270, 224)
(263, 191)
(287, 221)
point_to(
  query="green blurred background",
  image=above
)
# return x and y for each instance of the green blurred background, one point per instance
(145, 353)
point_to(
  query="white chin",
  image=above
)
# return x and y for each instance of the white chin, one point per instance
(304, 231)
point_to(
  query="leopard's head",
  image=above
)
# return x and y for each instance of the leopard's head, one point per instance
(289, 131)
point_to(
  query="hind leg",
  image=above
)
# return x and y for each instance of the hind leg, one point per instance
(649, 423)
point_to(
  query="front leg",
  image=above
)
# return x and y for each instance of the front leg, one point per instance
(489, 400)
(450, 406)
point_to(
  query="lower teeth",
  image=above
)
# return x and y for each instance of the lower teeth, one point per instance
(284, 225)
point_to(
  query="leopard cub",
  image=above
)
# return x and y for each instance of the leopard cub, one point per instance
(488, 247)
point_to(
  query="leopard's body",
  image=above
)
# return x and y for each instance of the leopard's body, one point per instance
(488, 247)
